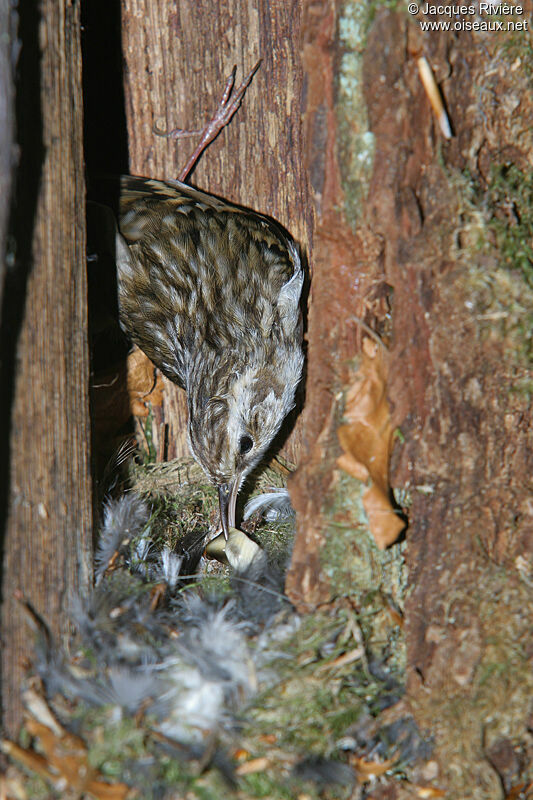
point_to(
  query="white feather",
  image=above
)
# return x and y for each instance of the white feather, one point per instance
(124, 520)
(273, 505)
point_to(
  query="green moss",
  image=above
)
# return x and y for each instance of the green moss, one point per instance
(260, 784)
(276, 539)
(37, 789)
(317, 696)
(494, 705)
(149, 453)
(356, 141)
(126, 750)
(348, 547)
(399, 435)
(510, 202)
(375, 580)
(351, 559)
(494, 241)
(114, 743)
(182, 500)
(517, 49)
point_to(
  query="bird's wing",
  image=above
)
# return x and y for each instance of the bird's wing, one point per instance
(138, 193)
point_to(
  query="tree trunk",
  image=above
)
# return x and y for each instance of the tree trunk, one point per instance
(48, 507)
(456, 216)
(447, 224)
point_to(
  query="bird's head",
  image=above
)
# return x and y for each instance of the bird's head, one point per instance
(230, 431)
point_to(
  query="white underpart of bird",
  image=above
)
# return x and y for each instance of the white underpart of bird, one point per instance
(211, 293)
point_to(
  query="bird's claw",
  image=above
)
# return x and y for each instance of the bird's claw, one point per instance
(226, 108)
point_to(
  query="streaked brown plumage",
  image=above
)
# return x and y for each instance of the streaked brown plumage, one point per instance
(211, 293)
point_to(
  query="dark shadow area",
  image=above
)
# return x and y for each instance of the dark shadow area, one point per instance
(104, 128)
(106, 154)
(27, 177)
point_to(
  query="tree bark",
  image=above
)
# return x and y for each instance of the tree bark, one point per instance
(444, 223)
(461, 366)
(178, 58)
(347, 269)
(48, 507)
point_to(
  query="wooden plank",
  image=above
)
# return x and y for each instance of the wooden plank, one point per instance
(49, 515)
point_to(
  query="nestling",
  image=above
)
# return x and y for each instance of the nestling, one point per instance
(210, 292)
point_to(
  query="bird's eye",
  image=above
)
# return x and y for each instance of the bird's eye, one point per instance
(245, 444)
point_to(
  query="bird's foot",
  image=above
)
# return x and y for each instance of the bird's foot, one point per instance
(227, 107)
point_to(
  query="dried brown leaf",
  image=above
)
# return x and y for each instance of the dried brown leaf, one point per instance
(109, 791)
(368, 769)
(65, 760)
(255, 765)
(521, 790)
(268, 738)
(366, 440)
(241, 754)
(345, 658)
(27, 758)
(12, 786)
(66, 754)
(429, 791)
(145, 384)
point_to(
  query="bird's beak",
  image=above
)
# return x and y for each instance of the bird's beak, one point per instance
(227, 500)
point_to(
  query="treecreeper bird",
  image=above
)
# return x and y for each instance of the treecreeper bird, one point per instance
(211, 292)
